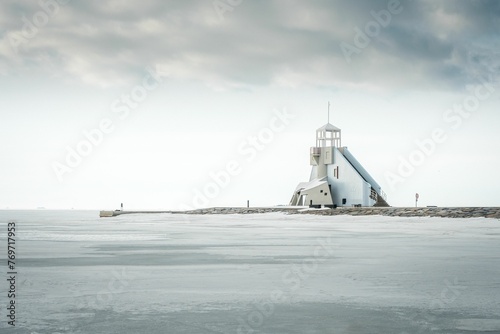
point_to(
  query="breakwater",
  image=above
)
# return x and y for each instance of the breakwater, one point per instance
(445, 212)
(114, 213)
(448, 212)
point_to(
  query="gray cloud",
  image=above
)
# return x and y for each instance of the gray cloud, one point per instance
(429, 44)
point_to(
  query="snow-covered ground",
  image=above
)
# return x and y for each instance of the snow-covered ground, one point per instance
(267, 273)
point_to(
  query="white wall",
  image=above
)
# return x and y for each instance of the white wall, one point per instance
(349, 184)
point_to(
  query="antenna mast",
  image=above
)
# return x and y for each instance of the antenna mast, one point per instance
(328, 111)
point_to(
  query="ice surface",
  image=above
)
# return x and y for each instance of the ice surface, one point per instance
(264, 273)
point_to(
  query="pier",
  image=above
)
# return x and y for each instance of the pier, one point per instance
(114, 213)
(432, 211)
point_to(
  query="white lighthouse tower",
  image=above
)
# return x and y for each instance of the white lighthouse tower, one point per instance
(337, 178)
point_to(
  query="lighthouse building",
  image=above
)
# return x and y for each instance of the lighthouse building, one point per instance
(337, 178)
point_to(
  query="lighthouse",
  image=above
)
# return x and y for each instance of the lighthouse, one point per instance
(337, 178)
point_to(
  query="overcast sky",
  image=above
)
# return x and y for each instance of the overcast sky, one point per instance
(179, 104)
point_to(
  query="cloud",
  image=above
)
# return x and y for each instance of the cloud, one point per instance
(430, 44)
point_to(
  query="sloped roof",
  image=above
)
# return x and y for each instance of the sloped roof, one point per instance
(328, 127)
(311, 184)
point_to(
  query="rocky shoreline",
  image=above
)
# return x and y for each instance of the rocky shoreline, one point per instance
(446, 212)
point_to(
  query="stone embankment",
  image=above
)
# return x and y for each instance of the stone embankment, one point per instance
(241, 210)
(448, 212)
(451, 212)
(457, 212)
